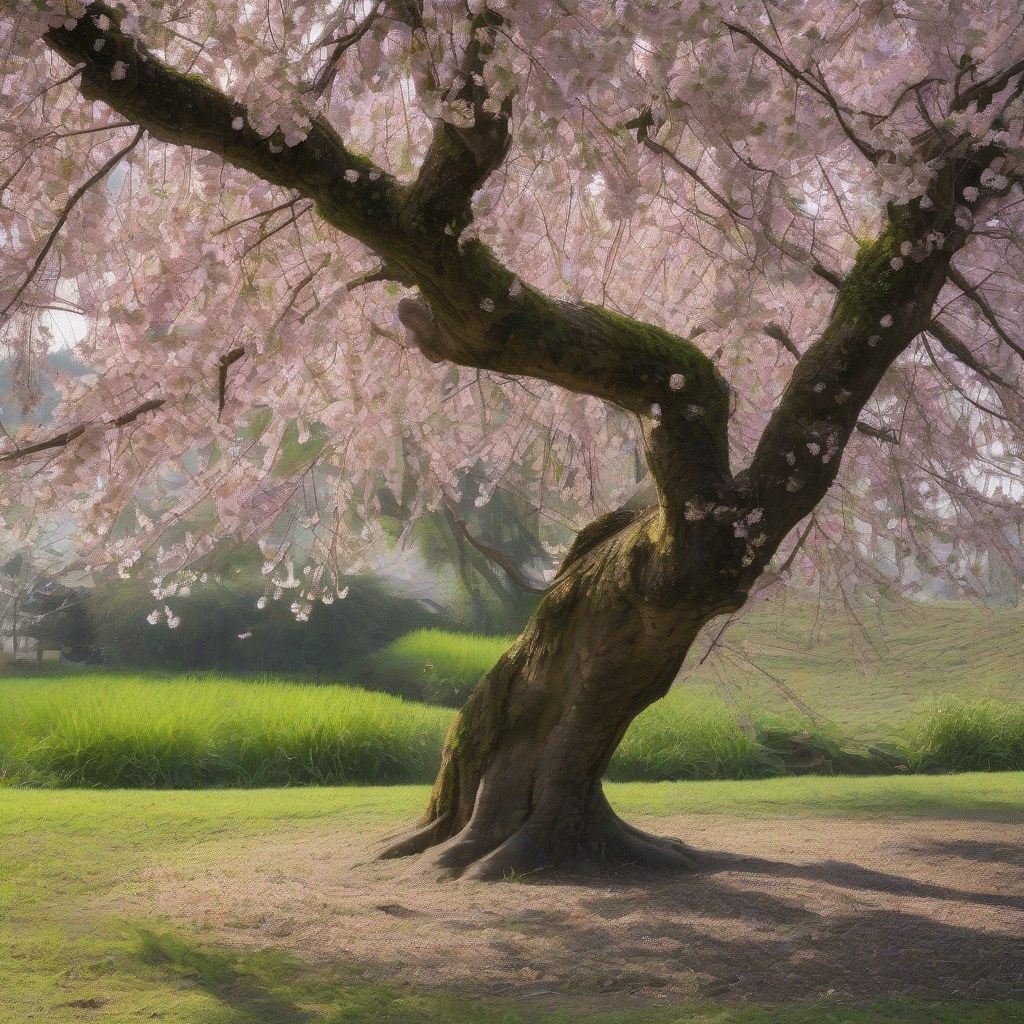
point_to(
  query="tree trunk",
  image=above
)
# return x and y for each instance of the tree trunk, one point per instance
(520, 783)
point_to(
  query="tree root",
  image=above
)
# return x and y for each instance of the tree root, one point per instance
(410, 843)
(607, 844)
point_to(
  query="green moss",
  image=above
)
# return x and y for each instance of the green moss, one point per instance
(873, 286)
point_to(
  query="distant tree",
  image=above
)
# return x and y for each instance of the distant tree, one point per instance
(573, 222)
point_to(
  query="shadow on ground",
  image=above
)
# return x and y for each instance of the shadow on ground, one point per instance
(787, 909)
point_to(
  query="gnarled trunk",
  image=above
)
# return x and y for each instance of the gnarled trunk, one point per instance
(520, 783)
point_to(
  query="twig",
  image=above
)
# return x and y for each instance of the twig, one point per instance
(959, 350)
(886, 434)
(986, 310)
(343, 43)
(867, 150)
(493, 554)
(262, 213)
(66, 212)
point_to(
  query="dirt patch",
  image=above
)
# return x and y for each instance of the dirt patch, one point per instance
(785, 909)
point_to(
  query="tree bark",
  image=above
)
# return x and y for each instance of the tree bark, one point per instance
(520, 784)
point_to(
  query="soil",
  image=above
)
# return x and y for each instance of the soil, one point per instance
(781, 910)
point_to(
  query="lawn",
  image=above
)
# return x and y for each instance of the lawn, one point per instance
(81, 939)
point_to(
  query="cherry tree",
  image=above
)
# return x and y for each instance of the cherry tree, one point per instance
(327, 247)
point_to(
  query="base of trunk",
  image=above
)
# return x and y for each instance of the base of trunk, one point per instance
(605, 843)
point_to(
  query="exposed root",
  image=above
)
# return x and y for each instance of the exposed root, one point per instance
(413, 842)
(490, 850)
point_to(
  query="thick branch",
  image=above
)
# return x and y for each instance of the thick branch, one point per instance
(885, 302)
(461, 157)
(350, 191)
(774, 330)
(482, 315)
(222, 374)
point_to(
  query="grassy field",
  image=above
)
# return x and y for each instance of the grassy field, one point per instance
(73, 863)
(927, 681)
(186, 733)
(869, 672)
(432, 665)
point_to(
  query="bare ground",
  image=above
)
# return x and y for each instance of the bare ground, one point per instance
(784, 909)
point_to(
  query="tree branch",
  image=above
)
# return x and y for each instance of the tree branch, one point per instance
(222, 374)
(323, 80)
(805, 259)
(66, 212)
(65, 437)
(655, 147)
(886, 434)
(885, 302)
(820, 89)
(774, 330)
(476, 312)
(986, 310)
(956, 348)
(351, 192)
(494, 555)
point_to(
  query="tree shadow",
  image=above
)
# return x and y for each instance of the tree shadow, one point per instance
(970, 849)
(853, 876)
(221, 976)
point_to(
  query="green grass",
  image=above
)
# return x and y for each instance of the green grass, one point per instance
(960, 735)
(867, 673)
(199, 732)
(67, 857)
(432, 665)
(132, 731)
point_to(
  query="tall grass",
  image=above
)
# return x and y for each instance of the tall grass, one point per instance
(133, 731)
(969, 736)
(193, 731)
(690, 736)
(432, 665)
